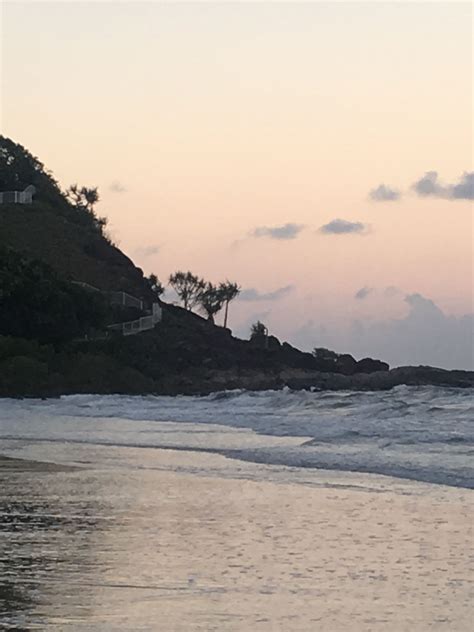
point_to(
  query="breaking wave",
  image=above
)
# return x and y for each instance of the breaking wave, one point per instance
(422, 433)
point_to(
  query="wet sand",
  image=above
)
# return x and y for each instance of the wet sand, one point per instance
(10, 464)
(155, 547)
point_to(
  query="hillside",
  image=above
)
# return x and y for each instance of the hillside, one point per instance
(61, 232)
(41, 232)
(54, 335)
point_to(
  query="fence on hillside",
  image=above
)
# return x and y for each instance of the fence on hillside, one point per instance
(124, 299)
(18, 197)
(130, 327)
(133, 326)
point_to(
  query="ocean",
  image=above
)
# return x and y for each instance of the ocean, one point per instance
(238, 511)
(419, 433)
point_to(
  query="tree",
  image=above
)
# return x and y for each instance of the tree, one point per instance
(35, 303)
(259, 334)
(211, 301)
(258, 331)
(155, 285)
(228, 291)
(91, 197)
(321, 353)
(83, 197)
(19, 169)
(188, 287)
(83, 200)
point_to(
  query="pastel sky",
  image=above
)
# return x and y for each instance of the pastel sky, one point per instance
(249, 141)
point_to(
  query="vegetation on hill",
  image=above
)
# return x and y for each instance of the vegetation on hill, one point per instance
(60, 229)
(48, 324)
(37, 304)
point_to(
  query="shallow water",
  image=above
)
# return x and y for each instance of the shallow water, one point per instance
(420, 433)
(138, 537)
(164, 540)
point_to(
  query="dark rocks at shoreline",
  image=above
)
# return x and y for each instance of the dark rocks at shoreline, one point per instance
(203, 383)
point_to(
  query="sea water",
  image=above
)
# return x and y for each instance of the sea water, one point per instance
(239, 512)
(420, 433)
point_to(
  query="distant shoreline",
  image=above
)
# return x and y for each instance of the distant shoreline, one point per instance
(204, 382)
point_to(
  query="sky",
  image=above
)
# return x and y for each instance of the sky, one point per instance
(318, 153)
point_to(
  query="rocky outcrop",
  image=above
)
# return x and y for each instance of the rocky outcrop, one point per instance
(368, 365)
(204, 382)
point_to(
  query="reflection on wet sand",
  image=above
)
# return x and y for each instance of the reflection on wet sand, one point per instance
(45, 541)
(152, 547)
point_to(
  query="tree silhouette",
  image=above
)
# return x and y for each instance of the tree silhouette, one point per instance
(19, 169)
(155, 285)
(91, 197)
(228, 291)
(259, 334)
(211, 300)
(258, 330)
(188, 287)
(84, 199)
(35, 303)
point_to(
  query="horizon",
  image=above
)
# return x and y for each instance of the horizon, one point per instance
(337, 194)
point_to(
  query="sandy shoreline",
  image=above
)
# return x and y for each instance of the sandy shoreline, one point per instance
(244, 548)
(11, 464)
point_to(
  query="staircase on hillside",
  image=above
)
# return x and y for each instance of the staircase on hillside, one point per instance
(131, 327)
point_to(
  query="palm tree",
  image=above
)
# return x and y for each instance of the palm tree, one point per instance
(83, 197)
(91, 197)
(211, 301)
(228, 291)
(188, 287)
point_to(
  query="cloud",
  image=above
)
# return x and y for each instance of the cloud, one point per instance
(363, 293)
(430, 186)
(343, 227)
(464, 190)
(147, 251)
(384, 193)
(425, 336)
(391, 290)
(254, 295)
(286, 231)
(117, 187)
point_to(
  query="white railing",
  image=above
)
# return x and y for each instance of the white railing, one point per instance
(134, 326)
(130, 327)
(86, 286)
(127, 300)
(18, 197)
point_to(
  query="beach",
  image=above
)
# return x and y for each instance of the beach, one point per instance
(181, 540)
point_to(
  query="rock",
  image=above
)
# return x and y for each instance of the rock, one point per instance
(346, 364)
(273, 343)
(368, 365)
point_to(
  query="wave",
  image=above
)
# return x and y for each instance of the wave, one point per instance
(414, 432)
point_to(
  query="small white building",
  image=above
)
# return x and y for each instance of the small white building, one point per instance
(18, 197)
